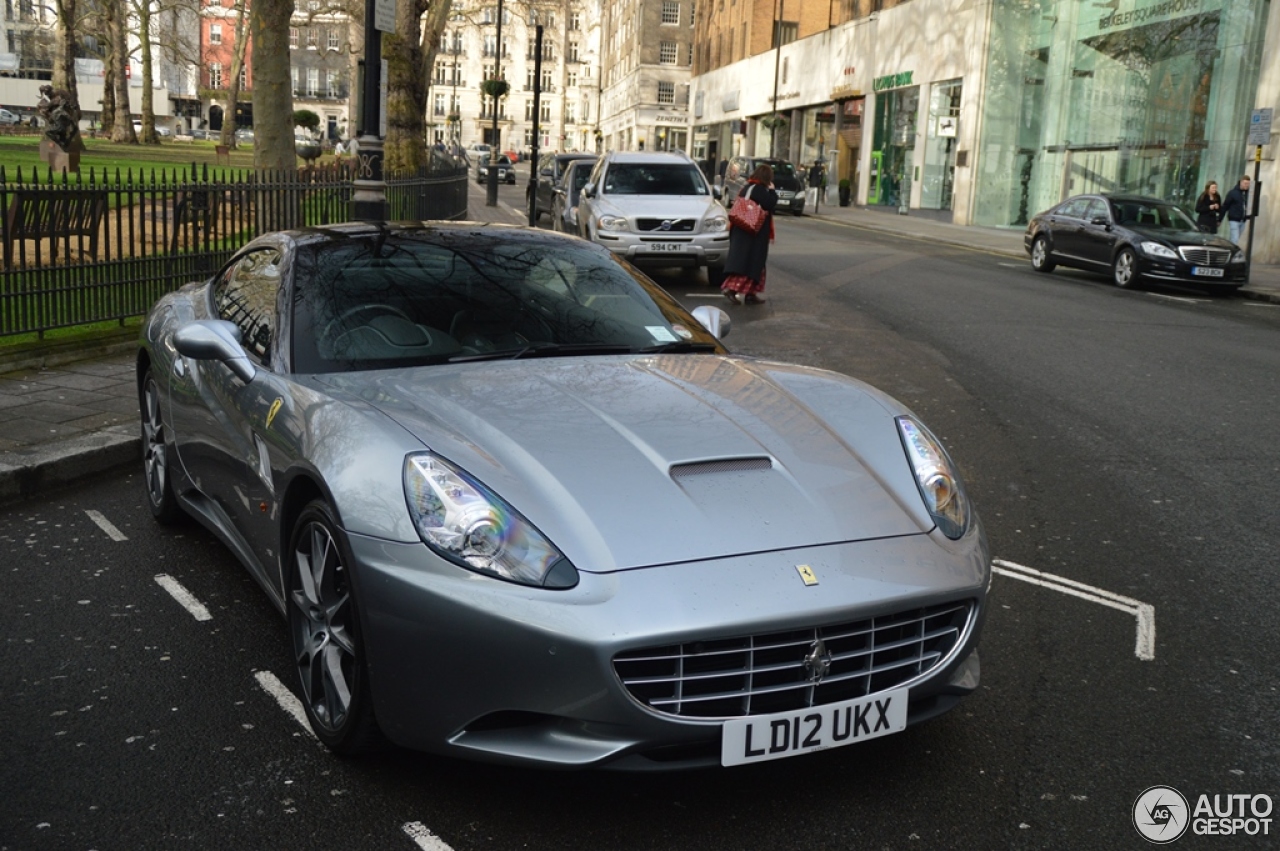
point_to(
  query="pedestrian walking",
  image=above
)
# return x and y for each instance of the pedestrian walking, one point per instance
(1209, 208)
(1235, 209)
(744, 270)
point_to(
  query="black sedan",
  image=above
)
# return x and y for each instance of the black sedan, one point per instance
(1135, 239)
(506, 174)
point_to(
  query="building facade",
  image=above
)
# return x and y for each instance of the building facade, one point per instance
(647, 62)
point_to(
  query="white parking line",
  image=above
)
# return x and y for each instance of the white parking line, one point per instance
(704, 295)
(183, 596)
(105, 525)
(424, 838)
(1260, 304)
(290, 704)
(1013, 265)
(1145, 645)
(1177, 298)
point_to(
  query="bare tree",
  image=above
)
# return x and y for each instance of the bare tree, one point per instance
(64, 69)
(228, 136)
(272, 89)
(118, 38)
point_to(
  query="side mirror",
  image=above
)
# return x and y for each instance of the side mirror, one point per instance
(548, 172)
(589, 191)
(1099, 220)
(215, 339)
(717, 192)
(713, 319)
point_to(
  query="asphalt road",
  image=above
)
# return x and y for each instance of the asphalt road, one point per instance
(1127, 442)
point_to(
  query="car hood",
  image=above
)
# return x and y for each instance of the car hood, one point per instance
(656, 206)
(725, 456)
(1173, 239)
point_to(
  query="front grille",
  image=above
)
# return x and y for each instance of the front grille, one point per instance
(1203, 255)
(676, 226)
(762, 674)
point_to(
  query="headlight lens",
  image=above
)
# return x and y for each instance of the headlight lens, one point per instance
(612, 223)
(939, 483)
(715, 222)
(463, 521)
(1238, 257)
(1155, 249)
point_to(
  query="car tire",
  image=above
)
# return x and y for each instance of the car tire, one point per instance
(156, 468)
(1124, 271)
(324, 625)
(1041, 259)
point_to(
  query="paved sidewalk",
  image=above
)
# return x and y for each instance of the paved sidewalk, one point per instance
(62, 419)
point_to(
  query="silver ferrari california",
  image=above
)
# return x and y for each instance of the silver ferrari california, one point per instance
(517, 504)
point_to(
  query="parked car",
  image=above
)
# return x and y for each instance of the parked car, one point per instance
(244, 136)
(564, 200)
(551, 168)
(161, 130)
(1134, 239)
(199, 133)
(787, 183)
(506, 174)
(655, 209)
(7, 117)
(499, 486)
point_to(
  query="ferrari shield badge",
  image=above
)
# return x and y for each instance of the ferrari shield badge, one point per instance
(807, 574)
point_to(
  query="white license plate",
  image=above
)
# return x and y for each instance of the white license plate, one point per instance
(765, 737)
(1206, 273)
(665, 246)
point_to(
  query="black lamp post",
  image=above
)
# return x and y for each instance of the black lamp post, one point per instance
(491, 189)
(369, 189)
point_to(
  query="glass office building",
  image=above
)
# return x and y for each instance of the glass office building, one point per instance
(1143, 96)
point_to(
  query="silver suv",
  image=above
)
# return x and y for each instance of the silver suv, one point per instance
(655, 209)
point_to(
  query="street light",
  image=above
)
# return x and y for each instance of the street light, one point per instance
(369, 189)
(491, 193)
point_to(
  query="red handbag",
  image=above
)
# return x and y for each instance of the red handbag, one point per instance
(747, 214)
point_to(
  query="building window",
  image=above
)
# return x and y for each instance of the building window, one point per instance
(572, 54)
(293, 37)
(785, 33)
(311, 38)
(544, 112)
(438, 105)
(571, 79)
(490, 45)
(575, 21)
(333, 84)
(215, 33)
(215, 75)
(244, 77)
(313, 82)
(670, 11)
(568, 113)
(666, 92)
(546, 80)
(334, 42)
(295, 74)
(668, 52)
(528, 110)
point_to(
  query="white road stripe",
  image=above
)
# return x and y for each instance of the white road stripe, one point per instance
(183, 596)
(1176, 298)
(704, 295)
(290, 704)
(1012, 265)
(1145, 613)
(1260, 304)
(424, 838)
(105, 525)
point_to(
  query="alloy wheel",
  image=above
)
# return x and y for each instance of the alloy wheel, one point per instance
(321, 620)
(154, 459)
(1126, 269)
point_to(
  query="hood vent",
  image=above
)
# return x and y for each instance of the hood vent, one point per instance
(719, 465)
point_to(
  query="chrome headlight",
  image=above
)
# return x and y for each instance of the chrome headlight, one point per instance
(715, 222)
(466, 523)
(608, 222)
(936, 476)
(1155, 249)
(1238, 257)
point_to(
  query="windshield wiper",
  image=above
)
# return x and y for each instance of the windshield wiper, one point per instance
(542, 350)
(677, 346)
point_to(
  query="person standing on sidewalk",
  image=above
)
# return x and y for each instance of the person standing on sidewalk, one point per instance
(748, 252)
(1209, 208)
(1235, 209)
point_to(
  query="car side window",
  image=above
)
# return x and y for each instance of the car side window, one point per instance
(246, 295)
(1097, 209)
(1074, 208)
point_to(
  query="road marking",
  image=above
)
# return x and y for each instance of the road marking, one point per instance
(105, 525)
(1012, 265)
(424, 838)
(183, 596)
(1144, 647)
(290, 704)
(1260, 304)
(1178, 298)
(704, 295)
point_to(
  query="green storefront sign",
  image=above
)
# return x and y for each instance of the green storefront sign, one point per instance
(893, 81)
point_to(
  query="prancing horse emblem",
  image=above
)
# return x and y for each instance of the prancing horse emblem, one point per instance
(817, 662)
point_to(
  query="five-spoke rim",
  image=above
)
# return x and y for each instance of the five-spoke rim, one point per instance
(1038, 253)
(324, 647)
(153, 444)
(1124, 268)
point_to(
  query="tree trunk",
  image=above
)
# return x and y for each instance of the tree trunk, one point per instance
(144, 45)
(64, 69)
(272, 85)
(108, 106)
(405, 148)
(122, 129)
(228, 136)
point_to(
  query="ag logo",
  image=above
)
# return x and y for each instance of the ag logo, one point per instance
(1161, 814)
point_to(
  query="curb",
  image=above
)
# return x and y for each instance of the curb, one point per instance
(27, 472)
(47, 355)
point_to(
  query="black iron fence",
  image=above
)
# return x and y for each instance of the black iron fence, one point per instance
(99, 246)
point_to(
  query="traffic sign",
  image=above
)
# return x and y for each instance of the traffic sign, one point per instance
(1260, 127)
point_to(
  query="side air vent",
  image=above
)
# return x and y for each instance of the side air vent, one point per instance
(722, 465)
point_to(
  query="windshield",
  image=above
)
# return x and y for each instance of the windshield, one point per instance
(1151, 215)
(441, 295)
(654, 179)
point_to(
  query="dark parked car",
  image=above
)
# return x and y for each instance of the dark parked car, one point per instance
(551, 168)
(788, 184)
(564, 203)
(1133, 238)
(506, 174)
(503, 491)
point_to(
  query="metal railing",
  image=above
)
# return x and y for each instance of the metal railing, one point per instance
(102, 245)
